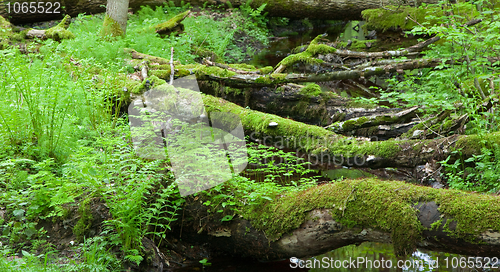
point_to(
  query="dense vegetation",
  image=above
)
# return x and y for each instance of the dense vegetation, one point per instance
(65, 147)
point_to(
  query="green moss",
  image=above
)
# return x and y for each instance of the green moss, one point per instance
(266, 70)
(4, 24)
(172, 23)
(358, 44)
(214, 70)
(387, 206)
(141, 87)
(317, 49)
(394, 17)
(60, 32)
(472, 144)
(243, 66)
(85, 222)
(165, 74)
(111, 28)
(311, 90)
(271, 78)
(305, 57)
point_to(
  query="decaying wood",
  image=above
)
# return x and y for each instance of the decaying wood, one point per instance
(373, 120)
(385, 54)
(227, 67)
(36, 33)
(137, 55)
(322, 231)
(276, 79)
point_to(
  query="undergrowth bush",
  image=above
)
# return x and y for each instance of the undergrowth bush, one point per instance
(201, 31)
(462, 85)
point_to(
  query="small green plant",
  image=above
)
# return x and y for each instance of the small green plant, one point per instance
(477, 173)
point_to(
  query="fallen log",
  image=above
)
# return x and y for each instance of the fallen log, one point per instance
(57, 33)
(172, 25)
(329, 10)
(326, 147)
(237, 80)
(373, 120)
(314, 221)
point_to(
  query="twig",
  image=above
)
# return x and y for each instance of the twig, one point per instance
(172, 71)
(423, 123)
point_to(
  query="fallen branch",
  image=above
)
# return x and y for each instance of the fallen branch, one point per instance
(238, 80)
(374, 120)
(136, 55)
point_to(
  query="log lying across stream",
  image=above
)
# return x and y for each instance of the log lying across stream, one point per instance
(330, 216)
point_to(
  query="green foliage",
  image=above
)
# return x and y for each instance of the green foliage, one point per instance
(477, 173)
(231, 37)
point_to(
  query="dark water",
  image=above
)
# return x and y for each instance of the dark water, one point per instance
(280, 47)
(375, 257)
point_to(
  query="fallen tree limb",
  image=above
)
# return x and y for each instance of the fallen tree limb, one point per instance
(326, 147)
(317, 220)
(57, 33)
(374, 120)
(385, 54)
(136, 55)
(236, 80)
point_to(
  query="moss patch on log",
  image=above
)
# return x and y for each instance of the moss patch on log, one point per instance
(311, 90)
(397, 17)
(172, 25)
(214, 70)
(60, 31)
(387, 206)
(308, 55)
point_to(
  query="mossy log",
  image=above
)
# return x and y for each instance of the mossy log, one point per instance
(329, 10)
(327, 147)
(330, 216)
(57, 33)
(248, 80)
(373, 120)
(172, 25)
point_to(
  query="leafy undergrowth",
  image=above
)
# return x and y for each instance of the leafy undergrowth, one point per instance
(66, 151)
(463, 87)
(66, 157)
(205, 31)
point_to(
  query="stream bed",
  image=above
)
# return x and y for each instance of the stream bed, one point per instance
(368, 256)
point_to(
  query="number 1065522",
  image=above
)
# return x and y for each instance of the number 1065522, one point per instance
(33, 7)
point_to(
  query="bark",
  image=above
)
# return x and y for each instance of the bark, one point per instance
(385, 54)
(438, 221)
(116, 13)
(374, 120)
(328, 148)
(276, 79)
(312, 9)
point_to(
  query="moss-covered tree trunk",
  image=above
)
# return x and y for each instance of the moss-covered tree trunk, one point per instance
(330, 216)
(115, 21)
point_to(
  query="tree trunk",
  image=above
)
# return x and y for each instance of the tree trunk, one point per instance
(316, 9)
(330, 216)
(115, 22)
